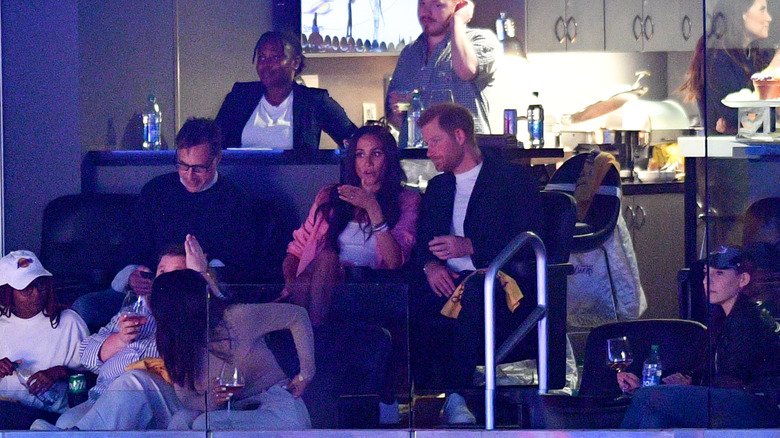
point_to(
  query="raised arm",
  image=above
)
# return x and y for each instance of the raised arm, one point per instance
(251, 322)
(464, 57)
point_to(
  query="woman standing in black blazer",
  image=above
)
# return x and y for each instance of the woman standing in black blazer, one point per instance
(276, 112)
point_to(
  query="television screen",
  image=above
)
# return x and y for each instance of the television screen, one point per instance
(382, 23)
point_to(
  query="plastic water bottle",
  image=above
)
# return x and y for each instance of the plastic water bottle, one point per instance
(48, 398)
(652, 369)
(536, 122)
(152, 119)
(414, 134)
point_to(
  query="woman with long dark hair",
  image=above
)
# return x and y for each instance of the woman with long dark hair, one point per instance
(725, 59)
(367, 221)
(198, 336)
(38, 339)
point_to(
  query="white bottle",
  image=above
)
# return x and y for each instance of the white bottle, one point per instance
(414, 134)
(48, 398)
(152, 119)
(652, 369)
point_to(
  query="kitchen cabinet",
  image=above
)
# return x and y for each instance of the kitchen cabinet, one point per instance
(656, 222)
(652, 25)
(564, 25)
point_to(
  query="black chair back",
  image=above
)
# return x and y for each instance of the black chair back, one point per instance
(275, 220)
(681, 345)
(604, 210)
(560, 217)
(82, 236)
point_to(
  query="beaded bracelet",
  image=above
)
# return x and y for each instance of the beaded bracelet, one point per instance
(379, 228)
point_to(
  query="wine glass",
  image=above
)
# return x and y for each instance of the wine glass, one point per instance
(133, 304)
(619, 356)
(231, 380)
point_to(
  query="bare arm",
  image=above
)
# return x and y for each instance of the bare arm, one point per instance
(129, 327)
(290, 267)
(464, 57)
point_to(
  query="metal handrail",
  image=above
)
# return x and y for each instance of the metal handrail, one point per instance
(506, 254)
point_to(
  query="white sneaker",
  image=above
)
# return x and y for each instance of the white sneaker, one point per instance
(41, 424)
(455, 411)
(389, 414)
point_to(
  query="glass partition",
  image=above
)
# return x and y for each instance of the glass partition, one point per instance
(360, 353)
(734, 269)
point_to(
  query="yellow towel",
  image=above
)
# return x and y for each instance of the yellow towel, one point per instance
(596, 166)
(154, 365)
(452, 307)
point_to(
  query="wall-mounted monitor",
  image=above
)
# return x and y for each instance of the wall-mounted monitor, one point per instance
(358, 25)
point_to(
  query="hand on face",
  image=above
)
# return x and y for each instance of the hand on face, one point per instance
(356, 196)
(464, 11)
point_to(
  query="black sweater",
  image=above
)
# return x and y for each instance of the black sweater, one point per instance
(221, 218)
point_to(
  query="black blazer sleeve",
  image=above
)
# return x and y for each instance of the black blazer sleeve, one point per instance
(505, 202)
(236, 109)
(435, 215)
(315, 111)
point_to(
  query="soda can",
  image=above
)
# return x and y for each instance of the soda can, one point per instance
(77, 389)
(510, 121)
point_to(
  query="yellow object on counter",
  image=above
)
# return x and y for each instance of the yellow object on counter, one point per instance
(666, 156)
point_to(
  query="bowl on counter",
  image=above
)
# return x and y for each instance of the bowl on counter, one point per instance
(767, 87)
(656, 176)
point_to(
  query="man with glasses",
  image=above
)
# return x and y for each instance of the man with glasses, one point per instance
(194, 200)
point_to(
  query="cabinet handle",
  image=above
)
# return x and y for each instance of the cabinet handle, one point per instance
(637, 27)
(571, 22)
(648, 35)
(687, 28)
(717, 29)
(560, 30)
(641, 216)
(628, 215)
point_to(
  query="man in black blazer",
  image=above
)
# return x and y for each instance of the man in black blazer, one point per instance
(468, 215)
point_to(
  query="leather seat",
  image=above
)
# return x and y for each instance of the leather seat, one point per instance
(81, 240)
(681, 346)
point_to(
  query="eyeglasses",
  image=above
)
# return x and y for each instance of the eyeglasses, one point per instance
(196, 168)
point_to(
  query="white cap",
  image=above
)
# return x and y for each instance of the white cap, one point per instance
(19, 268)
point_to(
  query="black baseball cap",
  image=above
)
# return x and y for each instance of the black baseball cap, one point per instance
(726, 257)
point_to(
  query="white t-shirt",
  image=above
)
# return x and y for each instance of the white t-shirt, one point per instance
(40, 347)
(464, 185)
(270, 126)
(356, 250)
